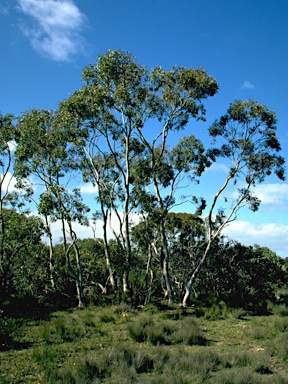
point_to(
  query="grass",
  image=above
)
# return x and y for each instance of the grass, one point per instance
(120, 345)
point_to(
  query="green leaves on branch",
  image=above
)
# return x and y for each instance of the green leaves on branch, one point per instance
(116, 133)
(250, 142)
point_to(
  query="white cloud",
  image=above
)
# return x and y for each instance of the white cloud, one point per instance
(218, 167)
(56, 33)
(272, 194)
(12, 146)
(273, 236)
(247, 85)
(8, 184)
(88, 189)
(82, 231)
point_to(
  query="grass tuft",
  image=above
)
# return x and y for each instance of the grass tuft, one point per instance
(101, 345)
(166, 332)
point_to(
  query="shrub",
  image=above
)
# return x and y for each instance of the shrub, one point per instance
(280, 310)
(188, 333)
(166, 332)
(237, 313)
(237, 376)
(44, 355)
(217, 311)
(279, 346)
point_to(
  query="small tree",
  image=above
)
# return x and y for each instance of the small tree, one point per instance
(43, 151)
(18, 232)
(185, 237)
(249, 143)
(9, 199)
(158, 177)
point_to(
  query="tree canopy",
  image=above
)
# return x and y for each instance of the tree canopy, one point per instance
(127, 131)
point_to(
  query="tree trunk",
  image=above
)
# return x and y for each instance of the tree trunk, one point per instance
(107, 252)
(126, 283)
(147, 296)
(51, 253)
(189, 286)
(165, 265)
(78, 275)
(126, 288)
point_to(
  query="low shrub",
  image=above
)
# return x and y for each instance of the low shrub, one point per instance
(280, 309)
(188, 333)
(238, 376)
(166, 332)
(237, 313)
(217, 311)
(279, 347)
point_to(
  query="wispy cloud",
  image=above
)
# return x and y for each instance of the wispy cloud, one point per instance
(247, 85)
(4, 10)
(56, 29)
(272, 194)
(270, 235)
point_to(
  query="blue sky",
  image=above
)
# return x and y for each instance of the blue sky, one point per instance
(45, 44)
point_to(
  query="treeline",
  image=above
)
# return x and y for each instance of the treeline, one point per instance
(119, 134)
(242, 276)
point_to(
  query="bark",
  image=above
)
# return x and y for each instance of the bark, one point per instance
(165, 266)
(78, 274)
(51, 253)
(165, 262)
(126, 275)
(99, 183)
(107, 252)
(189, 286)
(213, 233)
(147, 295)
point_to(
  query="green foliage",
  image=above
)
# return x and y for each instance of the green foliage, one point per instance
(20, 235)
(102, 132)
(260, 142)
(246, 277)
(279, 347)
(167, 332)
(118, 99)
(76, 346)
(217, 311)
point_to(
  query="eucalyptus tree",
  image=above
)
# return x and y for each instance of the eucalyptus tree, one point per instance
(185, 236)
(99, 169)
(159, 176)
(20, 234)
(250, 147)
(9, 198)
(121, 106)
(43, 152)
(7, 136)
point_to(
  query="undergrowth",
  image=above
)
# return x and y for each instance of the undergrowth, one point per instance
(118, 344)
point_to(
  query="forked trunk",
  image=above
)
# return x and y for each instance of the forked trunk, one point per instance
(189, 286)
